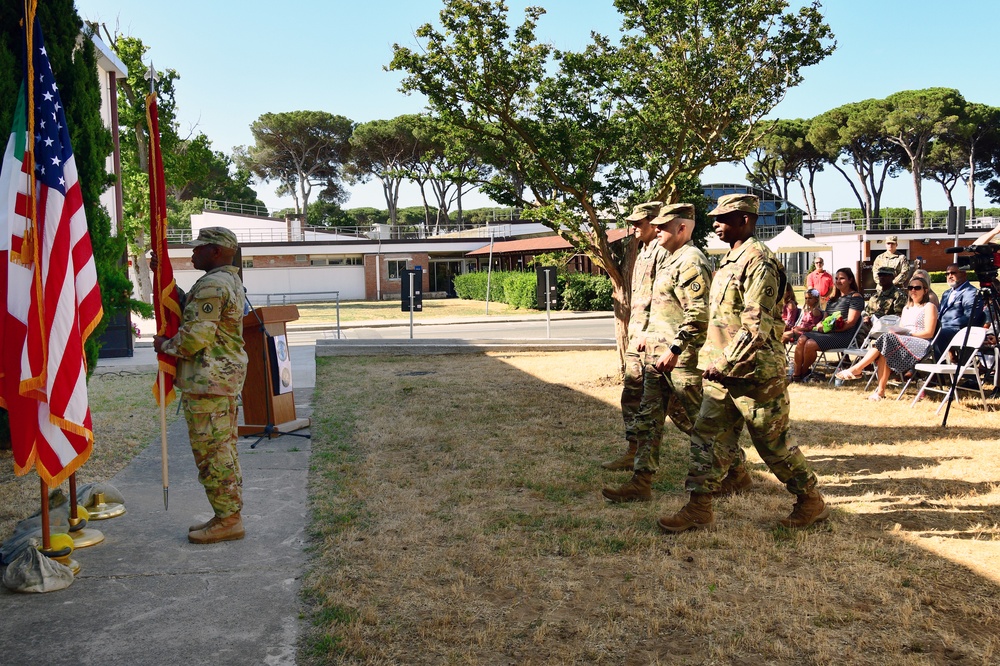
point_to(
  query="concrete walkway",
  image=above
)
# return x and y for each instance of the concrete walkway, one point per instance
(145, 596)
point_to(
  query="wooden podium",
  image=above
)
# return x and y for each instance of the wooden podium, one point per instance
(259, 397)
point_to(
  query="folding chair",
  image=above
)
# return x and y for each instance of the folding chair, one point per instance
(958, 346)
(878, 326)
(823, 360)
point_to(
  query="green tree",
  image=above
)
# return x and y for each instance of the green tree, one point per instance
(387, 150)
(300, 150)
(193, 171)
(854, 132)
(785, 155)
(583, 133)
(913, 120)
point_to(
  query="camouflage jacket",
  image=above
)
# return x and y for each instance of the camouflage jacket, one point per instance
(744, 325)
(209, 342)
(643, 272)
(678, 313)
(896, 262)
(886, 302)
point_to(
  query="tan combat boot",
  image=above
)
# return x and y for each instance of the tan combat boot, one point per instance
(697, 513)
(809, 508)
(229, 528)
(636, 490)
(201, 526)
(736, 481)
(623, 463)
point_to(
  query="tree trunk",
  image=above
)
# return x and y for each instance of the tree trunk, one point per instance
(971, 185)
(142, 273)
(918, 210)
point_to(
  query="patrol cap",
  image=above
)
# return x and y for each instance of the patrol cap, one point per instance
(885, 270)
(644, 210)
(670, 212)
(215, 236)
(892, 239)
(729, 203)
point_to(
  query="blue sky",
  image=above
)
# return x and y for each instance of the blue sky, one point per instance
(238, 60)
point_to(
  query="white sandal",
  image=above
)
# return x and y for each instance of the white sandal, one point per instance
(875, 397)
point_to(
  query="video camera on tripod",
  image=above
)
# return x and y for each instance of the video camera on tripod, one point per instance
(983, 259)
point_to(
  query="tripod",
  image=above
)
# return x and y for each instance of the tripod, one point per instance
(985, 301)
(270, 431)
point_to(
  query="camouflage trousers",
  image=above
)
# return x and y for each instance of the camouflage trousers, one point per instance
(677, 395)
(211, 421)
(763, 407)
(631, 393)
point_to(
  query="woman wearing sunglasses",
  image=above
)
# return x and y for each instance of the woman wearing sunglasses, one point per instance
(904, 345)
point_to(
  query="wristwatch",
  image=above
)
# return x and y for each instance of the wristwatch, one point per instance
(675, 350)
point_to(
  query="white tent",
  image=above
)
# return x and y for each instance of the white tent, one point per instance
(714, 245)
(790, 241)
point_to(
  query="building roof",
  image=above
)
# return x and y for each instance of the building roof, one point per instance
(539, 245)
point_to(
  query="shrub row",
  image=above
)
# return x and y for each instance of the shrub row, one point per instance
(576, 291)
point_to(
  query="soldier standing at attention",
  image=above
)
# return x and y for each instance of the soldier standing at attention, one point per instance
(649, 253)
(678, 319)
(897, 262)
(745, 380)
(210, 374)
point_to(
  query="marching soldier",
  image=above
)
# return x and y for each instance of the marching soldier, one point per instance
(745, 379)
(643, 271)
(678, 319)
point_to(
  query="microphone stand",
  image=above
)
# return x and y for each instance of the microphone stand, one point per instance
(270, 431)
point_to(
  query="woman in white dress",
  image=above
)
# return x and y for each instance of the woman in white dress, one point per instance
(899, 350)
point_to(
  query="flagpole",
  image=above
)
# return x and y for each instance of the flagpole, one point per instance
(162, 380)
(46, 539)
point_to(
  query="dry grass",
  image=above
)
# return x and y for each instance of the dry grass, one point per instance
(125, 420)
(457, 519)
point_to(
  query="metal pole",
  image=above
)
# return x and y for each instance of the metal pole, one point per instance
(338, 315)
(548, 307)
(489, 274)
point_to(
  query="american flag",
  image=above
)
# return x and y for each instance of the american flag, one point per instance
(52, 302)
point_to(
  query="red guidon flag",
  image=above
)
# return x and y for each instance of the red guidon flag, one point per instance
(165, 302)
(51, 299)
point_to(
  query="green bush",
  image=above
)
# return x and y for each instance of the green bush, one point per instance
(583, 291)
(939, 276)
(519, 290)
(577, 291)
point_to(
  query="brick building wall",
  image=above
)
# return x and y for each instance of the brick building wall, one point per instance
(391, 286)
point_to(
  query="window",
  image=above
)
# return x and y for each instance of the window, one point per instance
(301, 258)
(247, 262)
(318, 261)
(396, 269)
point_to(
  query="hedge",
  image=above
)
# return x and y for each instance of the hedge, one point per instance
(576, 291)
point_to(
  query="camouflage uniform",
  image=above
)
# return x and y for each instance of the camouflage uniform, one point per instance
(210, 374)
(886, 302)
(678, 317)
(744, 344)
(898, 263)
(643, 271)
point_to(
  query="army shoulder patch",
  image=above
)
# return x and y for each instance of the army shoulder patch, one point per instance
(769, 291)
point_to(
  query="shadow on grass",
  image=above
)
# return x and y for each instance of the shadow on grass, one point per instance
(457, 516)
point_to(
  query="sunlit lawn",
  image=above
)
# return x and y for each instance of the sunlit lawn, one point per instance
(457, 518)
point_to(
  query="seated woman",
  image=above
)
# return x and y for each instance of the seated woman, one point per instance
(849, 303)
(900, 351)
(926, 277)
(790, 308)
(811, 315)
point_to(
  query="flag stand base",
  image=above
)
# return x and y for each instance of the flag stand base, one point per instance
(103, 510)
(83, 536)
